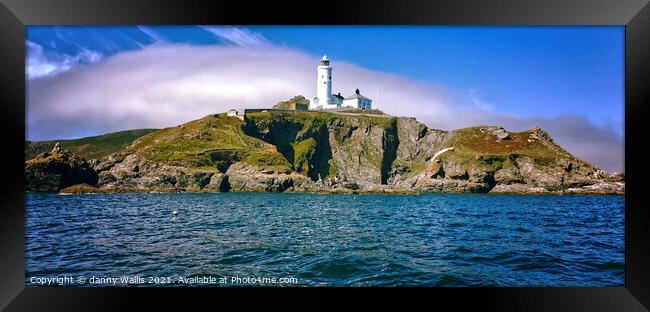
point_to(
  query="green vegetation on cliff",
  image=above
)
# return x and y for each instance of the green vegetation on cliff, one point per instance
(303, 138)
(300, 141)
(303, 152)
(213, 141)
(94, 147)
(481, 144)
(323, 150)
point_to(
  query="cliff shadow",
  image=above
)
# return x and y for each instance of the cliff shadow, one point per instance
(319, 162)
(280, 132)
(390, 142)
(223, 158)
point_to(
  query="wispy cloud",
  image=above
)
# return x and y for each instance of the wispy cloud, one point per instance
(167, 84)
(38, 64)
(153, 35)
(237, 36)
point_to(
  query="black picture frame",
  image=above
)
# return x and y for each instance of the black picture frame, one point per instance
(633, 14)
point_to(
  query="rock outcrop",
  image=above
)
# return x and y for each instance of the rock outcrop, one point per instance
(528, 162)
(131, 172)
(346, 152)
(57, 169)
(298, 102)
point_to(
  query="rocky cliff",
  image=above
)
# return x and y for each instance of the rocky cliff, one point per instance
(346, 152)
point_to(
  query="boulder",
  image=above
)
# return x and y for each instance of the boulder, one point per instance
(350, 185)
(616, 177)
(83, 188)
(243, 177)
(218, 183)
(500, 133)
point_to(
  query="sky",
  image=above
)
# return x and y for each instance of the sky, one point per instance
(84, 81)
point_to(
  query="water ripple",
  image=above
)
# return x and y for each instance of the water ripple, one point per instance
(363, 240)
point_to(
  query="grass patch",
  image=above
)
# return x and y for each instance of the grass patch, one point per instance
(472, 143)
(363, 111)
(268, 159)
(215, 140)
(303, 151)
(494, 161)
(333, 169)
(95, 147)
(544, 161)
(307, 118)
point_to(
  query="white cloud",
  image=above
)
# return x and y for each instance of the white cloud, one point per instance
(39, 65)
(166, 84)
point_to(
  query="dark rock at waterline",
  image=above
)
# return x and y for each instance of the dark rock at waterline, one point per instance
(57, 169)
(350, 185)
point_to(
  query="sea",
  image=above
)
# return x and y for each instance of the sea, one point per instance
(295, 240)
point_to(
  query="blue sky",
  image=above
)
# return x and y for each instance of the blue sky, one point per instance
(516, 76)
(528, 71)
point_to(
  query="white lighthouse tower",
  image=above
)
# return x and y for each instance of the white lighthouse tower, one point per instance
(326, 100)
(324, 86)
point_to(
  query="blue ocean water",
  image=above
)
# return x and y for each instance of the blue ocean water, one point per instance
(333, 240)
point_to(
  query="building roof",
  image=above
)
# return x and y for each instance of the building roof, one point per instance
(339, 96)
(356, 96)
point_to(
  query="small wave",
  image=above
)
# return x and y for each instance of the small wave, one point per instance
(462, 249)
(494, 258)
(385, 242)
(611, 266)
(449, 280)
(523, 230)
(341, 268)
(248, 256)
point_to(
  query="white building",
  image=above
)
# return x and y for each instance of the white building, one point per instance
(357, 100)
(326, 100)
(239, 113)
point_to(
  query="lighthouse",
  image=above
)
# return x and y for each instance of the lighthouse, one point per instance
(326, 100)
(324, 83)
